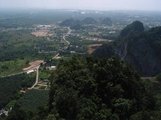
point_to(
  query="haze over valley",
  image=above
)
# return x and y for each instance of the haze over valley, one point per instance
(80, 60)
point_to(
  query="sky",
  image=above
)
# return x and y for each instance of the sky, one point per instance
(147, 5)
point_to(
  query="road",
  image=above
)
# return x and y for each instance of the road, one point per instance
(12, 75)
(37, 69)
(66, 35)
(64, 38)
(37, 78)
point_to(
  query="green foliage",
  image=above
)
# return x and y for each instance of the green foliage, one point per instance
(146, 115)
(44, 74)
(33, 99)
(18, 114)
(11, 67)
(31, 106)
(158, 77)
(10, 86)
(153, 87)
(95, 89)
(21, 44)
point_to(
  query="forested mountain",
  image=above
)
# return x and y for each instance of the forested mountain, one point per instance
(73, 22)
(106, 21)
(89, 20)
(86, 21)
(134, 28)
(70, 22)
(90, 89)
(137, 47)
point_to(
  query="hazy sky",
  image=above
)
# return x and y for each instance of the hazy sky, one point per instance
(154, 5)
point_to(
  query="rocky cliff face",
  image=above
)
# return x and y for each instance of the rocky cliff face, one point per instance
(137, 47)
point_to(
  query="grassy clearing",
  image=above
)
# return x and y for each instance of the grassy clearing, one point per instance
(12, 67)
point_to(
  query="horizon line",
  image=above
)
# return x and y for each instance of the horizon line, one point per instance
(67, 9)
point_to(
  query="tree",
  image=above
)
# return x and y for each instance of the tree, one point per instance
(87, 88)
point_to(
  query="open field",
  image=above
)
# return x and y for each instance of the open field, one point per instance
(33, 65)
(11, 67)
(42, 33)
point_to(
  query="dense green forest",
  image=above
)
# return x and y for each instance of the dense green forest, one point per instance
(92, 89)
(33, 100)
(78, 24)
(10, 87)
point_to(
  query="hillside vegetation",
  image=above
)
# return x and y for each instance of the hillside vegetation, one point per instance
(10, 87)
(33, 100)
(90, 89)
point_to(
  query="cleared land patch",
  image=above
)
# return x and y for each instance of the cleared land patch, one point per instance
(42, 33)
(92, 48)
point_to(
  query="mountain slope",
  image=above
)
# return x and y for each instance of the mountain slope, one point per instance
(70, 22)
(134, 28)
(137, 47)
(106, 21)
(89, 20)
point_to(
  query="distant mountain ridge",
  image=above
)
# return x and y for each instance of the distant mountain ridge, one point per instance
(87, 21)
(106, 21)
(70, 22)
(137, 47)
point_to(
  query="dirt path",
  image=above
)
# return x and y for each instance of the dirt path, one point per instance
(37, 78)
(12, 75)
